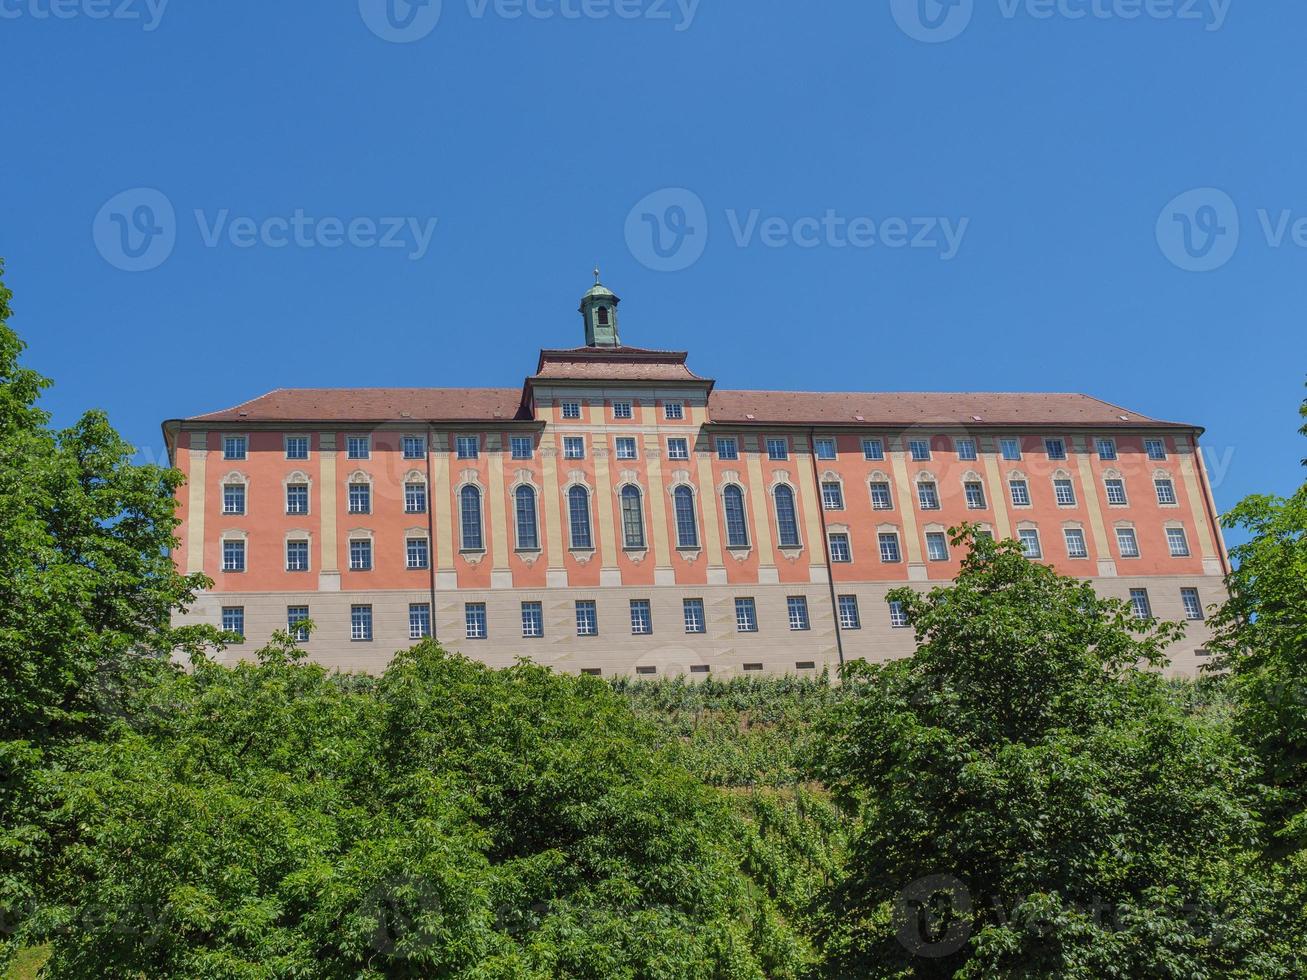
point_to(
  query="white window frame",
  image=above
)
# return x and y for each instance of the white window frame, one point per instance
(1010, 449)
(1127, 542)
(889, 494)
(241, 496)
(1012, 485)
(307, 495)
(623, 411)
(641, 617)
(467, 447)
(850, 615)
(365, 549)
(898, 616)
(1194, 613)
(573, 447)
(308, 554)
(966, 449)
(1174, 535)
(238, 546)
(230, 450)
(973, 502)
(1108, 443)
(796, 607)
(694, 616)
(1165, 481)
(847, 544)
(778, 449)
(678, 448)
(928, 495)
(415, 491)
(421, 451)
(626, 447)
(1108, 489)
(832, 495)
(533, 620)
(919, 450)
(1055, 447)
(308, 447)
(365, 440)
(873, 450)
(941, 539)
(728, 448)
(1077, 534)
(522, 447)
(889, 539)
(571, 410)
(422, 550)
(1066, 484)
(674, 411)
(587, 617)
(360, 623)
(746, 615)
(419, 620)
(475, 622)
(1160, 453)
(1026, 536)
(826, 448)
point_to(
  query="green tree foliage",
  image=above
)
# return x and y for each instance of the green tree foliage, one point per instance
(1032, 801)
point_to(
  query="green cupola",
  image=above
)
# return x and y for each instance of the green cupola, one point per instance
(599, 308)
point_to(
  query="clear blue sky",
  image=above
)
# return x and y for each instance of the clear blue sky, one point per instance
(1058, 140)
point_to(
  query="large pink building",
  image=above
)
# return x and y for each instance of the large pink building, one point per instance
(619, 514)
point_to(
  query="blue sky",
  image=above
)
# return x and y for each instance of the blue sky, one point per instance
(994, 194)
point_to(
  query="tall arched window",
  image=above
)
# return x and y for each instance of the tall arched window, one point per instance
(470, 518)
(787, 526)
(632, 518)
(527, 535)
(737, 528)
(578, 509)
(687, 528)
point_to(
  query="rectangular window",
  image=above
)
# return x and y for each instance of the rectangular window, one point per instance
(297, 556)
(523, 447)
(1065, 493)
(233, 498)
(418, 552)
(1020, 493)
(622, 410)
(360, 498)
(641, 618)
(966, 448)
(1030, 545)
(880, 497)
(1156, 449)
(728, 448)
(920, 449)
(1165, 492)
(674, 411)
(1075, 543)
(1127, 543)
(1010, 448)
(415, 498)
(626, 448)
(1178, 542)
(358, 447)
(873, 449)
(1056, 448)
(1106, 448)
(297, 498)
(573, 447)
(295, 615)
(928, 495)
(975, 493)
(234, 447)
(753, 667)
(832, 496)
(587, 618)
(533, 620)
(798, 607)
(297, 447)
(233, 556)
(360, 555)
(936, 546)
(360, 622)
(889, 547)
(1116, 492)
(467, 447)
(694, 619)
(474, 619)
(1193, 606)
(233, 620)
(415, 447)
(1140, 605)
(825, 448)
(850, 619)
(571, 410)
(678, 449)
(746, 616)
(778, 449)
(419, 620)
(839, 547)
(898, 616)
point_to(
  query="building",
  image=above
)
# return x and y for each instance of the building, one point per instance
(620, 514)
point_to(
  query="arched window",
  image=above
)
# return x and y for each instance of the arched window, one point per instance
(737, 529)
(603, 316)
(527, 535)
(578, 508)
(632, 518)
(687, 528)
(787, 526)
(470, 518)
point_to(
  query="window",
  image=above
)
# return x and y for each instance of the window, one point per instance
(1020, 493)
(1065, 493)
(687, 527)
(524, 509)
(1075, 543)
(873, 449)
(825, 448)
(728, 448)
(832, 495)
(358, 447)
(898, 616)
(806, 665)
(1106, 448)
(418, 553)
(571, 410)
(603, 316)
(787, 524)
(936, 546)
(578, 511)
(622, 410)
(753, 667)
(415, 498)
(626, 448)
(1127, 543)
(1193, 606)
(360, 622)
(1165, 492)
(415, 447)
(678, 449)
(746, 616)
(297, 498)
(1178, 542)
(573, 447)
(233, 498)
(522, 447)
(1030, 545)
(297, 447)
(928, 495)
(694, 620)
(699, 669)
(1056, 448)
(233, 556)
(295, 615)
(880, 496)
(737, 527)
(1139, 604)
(360, 498)
(587, 619)
(1156, 449)
(467, 447)
(641, 618)
(533, 620)
(632, 517)
(360, 555)
(778, 449)
(798, 607)
(1116, 493)
(297, 556)
(233, 620)
(674, 411)
(419, 620)
(975, 493)
(850, 619)
(469, 513)
(1010, 448)
(474, 618)
(889, 547)
(966, 448)
(234, 447)
(919, 449)
(839, 547)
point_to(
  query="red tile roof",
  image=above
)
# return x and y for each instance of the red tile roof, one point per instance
(373, 405)
(613, 364)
